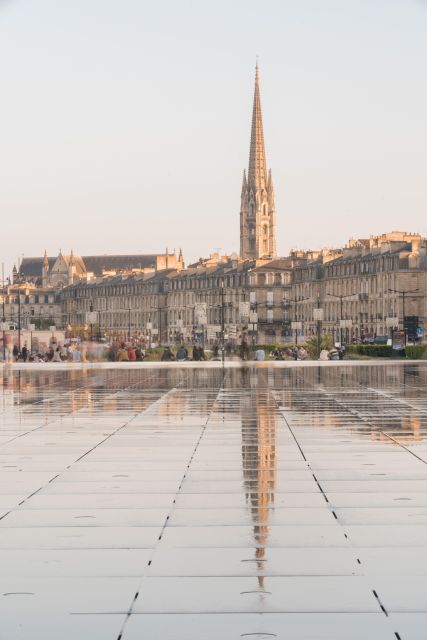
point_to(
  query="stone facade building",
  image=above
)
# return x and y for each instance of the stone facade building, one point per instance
(361, 290)
(24, 304)
(246, 297)
(68, 269)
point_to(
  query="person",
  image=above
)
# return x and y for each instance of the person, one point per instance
(198, 353)
(56, 355)
(131, 354)
(324, 355)
(25, 352)
(123, 354)
(244, 350)
(302, 354)
(138, 353)
(167, 355)
(15, 352)
(182, 353)
(259, 354)
(77, 356)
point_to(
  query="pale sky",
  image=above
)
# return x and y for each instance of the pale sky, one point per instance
(124, 125)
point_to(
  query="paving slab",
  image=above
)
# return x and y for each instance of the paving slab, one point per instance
(218, 503)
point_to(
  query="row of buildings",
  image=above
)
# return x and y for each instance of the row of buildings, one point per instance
(363, 290)
(360, 291)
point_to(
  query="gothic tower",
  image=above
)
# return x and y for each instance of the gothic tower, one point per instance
(257, 213)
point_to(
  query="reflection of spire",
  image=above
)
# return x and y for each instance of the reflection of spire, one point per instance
(259, 423)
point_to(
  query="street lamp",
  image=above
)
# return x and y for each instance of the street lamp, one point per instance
(287, 302)
(403, 293)
(3, 314)
(222, 323)
(129, 312)
(91, 319)
(341, 298)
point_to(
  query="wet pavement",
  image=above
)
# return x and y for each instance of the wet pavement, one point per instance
(190, 503)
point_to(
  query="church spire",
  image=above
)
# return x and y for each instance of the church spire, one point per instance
(257, 174)
(257, 211)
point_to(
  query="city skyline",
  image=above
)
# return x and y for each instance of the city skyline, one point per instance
(108, 139)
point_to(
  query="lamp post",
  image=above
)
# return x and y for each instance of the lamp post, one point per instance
(222, 323)
(341, 298)
(19, 320)
(129, 312)
(3, 313)
(91, 320)
(318, 316)
(295, 302)
(403, 293)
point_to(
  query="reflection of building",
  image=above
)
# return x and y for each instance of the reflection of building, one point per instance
(259, 426)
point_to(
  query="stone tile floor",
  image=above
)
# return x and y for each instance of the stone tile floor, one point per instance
(185, 503)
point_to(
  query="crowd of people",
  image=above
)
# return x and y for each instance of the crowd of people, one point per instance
(55, 352)
(120, 351)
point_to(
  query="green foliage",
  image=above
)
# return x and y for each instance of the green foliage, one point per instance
(415, 351)
(371, 350)
(326, 342)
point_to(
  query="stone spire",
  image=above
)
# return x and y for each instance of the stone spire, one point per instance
(45, 270)
(257, 174)
(257, 211)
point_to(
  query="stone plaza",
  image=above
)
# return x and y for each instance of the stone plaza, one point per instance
(200, 501)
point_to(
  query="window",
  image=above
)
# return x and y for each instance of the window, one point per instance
(269, 297)
(270, 315)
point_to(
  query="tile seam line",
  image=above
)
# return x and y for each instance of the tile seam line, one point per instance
(158, 542)
(87, 452)
(366, 421)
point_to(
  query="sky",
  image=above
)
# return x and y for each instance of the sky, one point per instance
(125, 126)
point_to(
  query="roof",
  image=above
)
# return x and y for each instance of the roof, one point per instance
(97, 264)
(33, 267)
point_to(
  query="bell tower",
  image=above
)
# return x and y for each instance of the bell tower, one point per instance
(257, 211)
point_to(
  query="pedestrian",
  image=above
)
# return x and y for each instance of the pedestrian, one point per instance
(182, 353)
(260, 354)
(167, 355)
(57, 355)
(15, 352)
(123, 354)
(25, 352)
